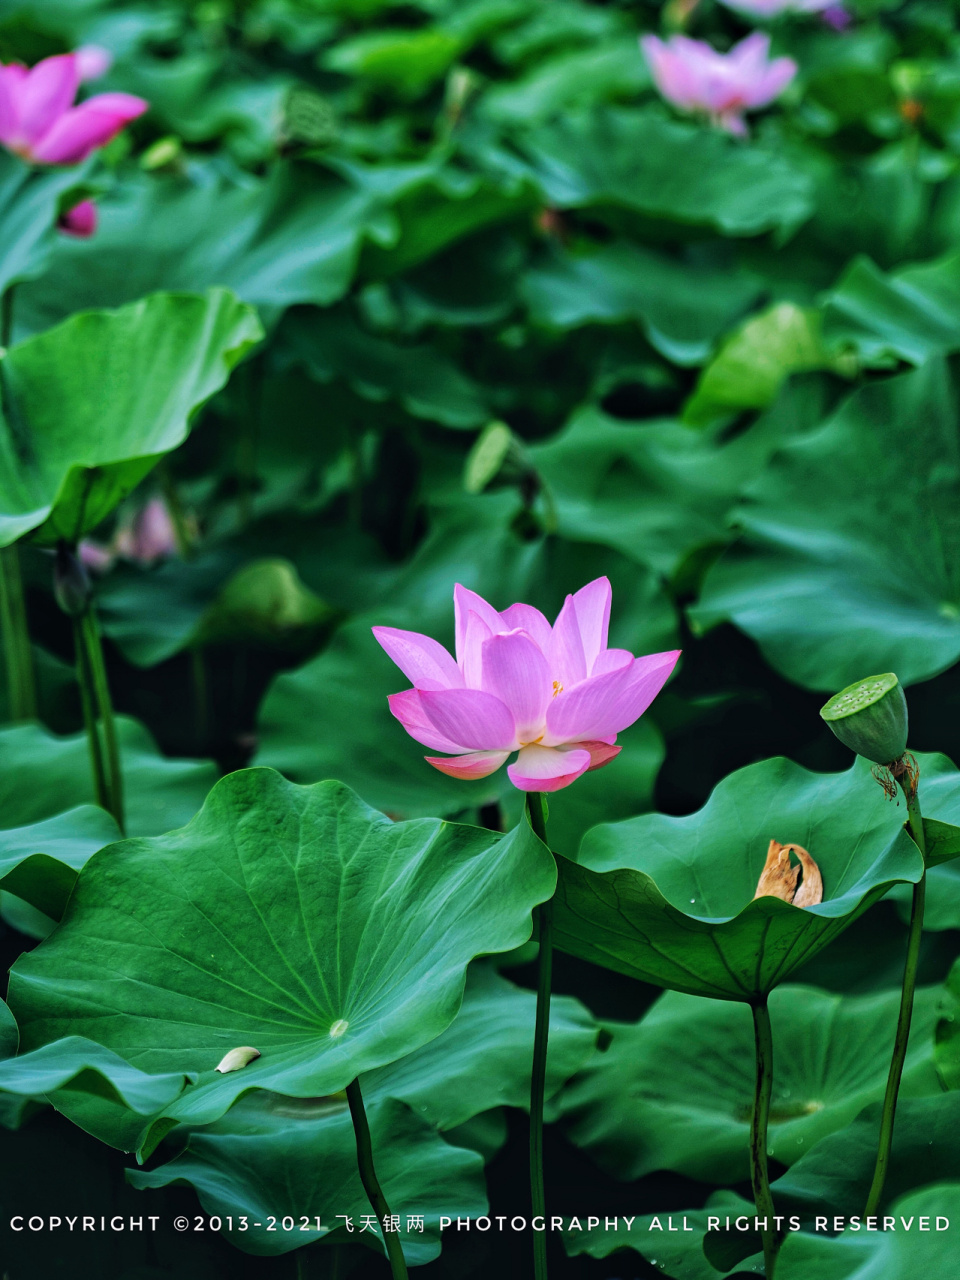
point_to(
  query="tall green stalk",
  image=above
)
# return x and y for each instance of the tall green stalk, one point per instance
(18, 656)
(100, 696)
(101, 788)
(371, 1184)
(760, 1120)
(538, 1079)
(908, 784)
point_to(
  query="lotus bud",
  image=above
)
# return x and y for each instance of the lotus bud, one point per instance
(870, 717)
(71, 584)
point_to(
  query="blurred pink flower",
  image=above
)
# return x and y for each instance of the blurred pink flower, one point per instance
(773, 8)
(146, 538)
(93, 61)
(39, 122)
(149, 536)
(556, 694)
(695, 77)
(80, 221)
(95, 556)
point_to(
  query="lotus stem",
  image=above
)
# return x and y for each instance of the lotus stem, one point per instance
(908, 783)
(371, 1184)
(538, 1079)
(6, 316)
(94, 671)
(16, 638)
(759, 1174)
(85, 681)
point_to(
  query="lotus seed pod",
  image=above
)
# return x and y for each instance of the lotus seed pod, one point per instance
(870, 717)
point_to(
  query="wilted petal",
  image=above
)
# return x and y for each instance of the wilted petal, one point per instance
(473, 719)
(45, 94)
(607, 704)
(524, 617)
(516, 672)
(548, 768)
(83, 129)
(466, 602)
(424, 661)
(471, 662)
(478, 764)
(592, 605)
(565, 656)
(407, 708)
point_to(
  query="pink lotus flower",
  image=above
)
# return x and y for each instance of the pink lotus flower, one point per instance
(80, 221)
(556, 694)
(149, 536)
(93, 61)
(695, 77)
(39, 122)
(773, 8)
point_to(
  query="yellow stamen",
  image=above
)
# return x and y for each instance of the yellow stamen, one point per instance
(557, 687)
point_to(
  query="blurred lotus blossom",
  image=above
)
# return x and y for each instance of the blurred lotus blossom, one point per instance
(93, 61)
(773, 8)
(80, 221)
(39, 122)
(695, 77)
(557, 695)
(150, 536)
(146, 538)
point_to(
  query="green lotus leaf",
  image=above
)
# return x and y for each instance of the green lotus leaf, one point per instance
(671, 1242)
(834, 533)
(682, 310)
(30, 201)
(44, 773)
(835, 1176)
(671, 900)
(484, 1058)
(78, 1064)
(242, 1164)
(652, 490)
(39, 862)
(909, 314)
(408, 61)
(90, 406)
(262, 1164)
(9, 1035)
(637, 160)
(922, 1248)
(294, 237)
(292, 919)
(948, 1032)
(675, 1090)
(330, 344)
(749, 369)
(572, 78)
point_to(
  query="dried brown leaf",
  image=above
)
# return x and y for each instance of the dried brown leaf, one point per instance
(779, 879)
